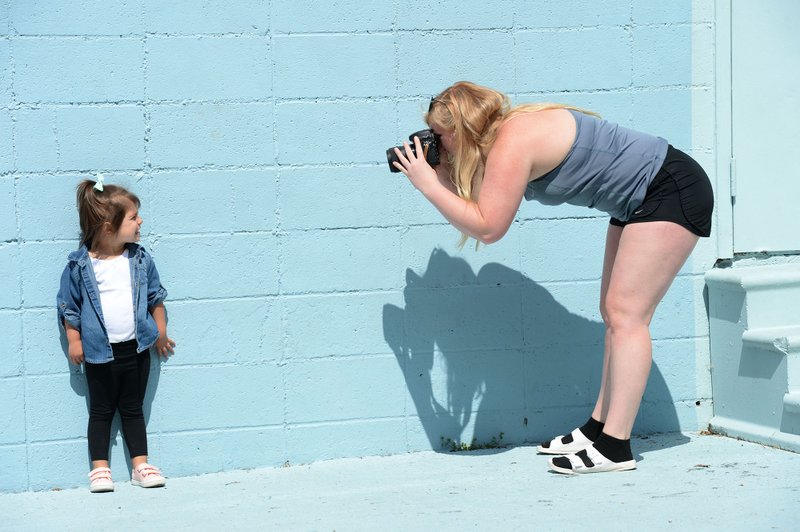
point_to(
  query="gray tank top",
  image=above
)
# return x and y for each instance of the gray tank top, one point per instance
(608, 168)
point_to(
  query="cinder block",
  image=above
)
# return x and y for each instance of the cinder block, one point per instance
(79, 70)
(213, 201)
(482, 57)
(587, 59)
(11, 332)
(218, 266)
(307, 190)
(11, 265)
(560, 314)
(683, 366)
(219, 398)
(368, 60)
(311, 443)
(305, 16)
(573, 14)
(4, 13)
(36, 143)
(462, 318)
(646, 12)
(341, 260)
(214, 16)
(65, 464)
(241, 331)
(87, 17)
(196, 453)
(662, 56)
(544, 256)
(675, 316)
(47, 207)
(5, 73)
(339, 325)
(454, 384)
(681, 416)
(211, 134)
(57, 406)
(416, 210)
(43, 264)
(209, 68)
(614, 106)
(12, 415)
(566, 374)
(469, 14)
(664, 113)
(80, 138)
(433, 259)
(344, 389)
(335, 131)
(8, 204)
(15, 468)
(46, 346)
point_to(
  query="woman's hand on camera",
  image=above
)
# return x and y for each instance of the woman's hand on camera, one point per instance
(415, 167)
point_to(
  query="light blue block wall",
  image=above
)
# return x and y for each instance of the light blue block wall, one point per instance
(320, 305)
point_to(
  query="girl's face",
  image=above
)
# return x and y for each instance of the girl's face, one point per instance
(129, 229)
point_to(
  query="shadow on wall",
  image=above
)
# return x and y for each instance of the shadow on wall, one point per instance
(496, 353)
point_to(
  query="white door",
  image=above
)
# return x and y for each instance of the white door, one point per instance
(765, 125)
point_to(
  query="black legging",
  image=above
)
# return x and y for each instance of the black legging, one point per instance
(119, 384)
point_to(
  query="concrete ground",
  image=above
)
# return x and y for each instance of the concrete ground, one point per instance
(684, 482)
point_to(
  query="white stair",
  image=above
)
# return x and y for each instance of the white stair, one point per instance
(754, 316)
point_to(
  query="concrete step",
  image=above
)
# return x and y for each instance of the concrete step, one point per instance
(754, 319)
(770, 294)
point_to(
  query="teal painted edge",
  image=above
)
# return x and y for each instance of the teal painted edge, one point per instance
(722, 87)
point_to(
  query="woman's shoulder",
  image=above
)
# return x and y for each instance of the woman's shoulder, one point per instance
(542, 138)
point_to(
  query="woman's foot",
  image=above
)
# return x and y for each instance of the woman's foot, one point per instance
(575, 441)
(100, 480)
(147, 476)
(605, 454)
(571, 443)
(588, 460)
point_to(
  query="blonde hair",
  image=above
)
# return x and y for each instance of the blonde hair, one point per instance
(98, 207)
(475, 114)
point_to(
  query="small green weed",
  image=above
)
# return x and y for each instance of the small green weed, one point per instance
(453, 446)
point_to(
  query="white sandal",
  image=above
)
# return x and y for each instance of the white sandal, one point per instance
(572, 443)
(588, 460)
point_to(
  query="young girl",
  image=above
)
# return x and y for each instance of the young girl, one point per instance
(659, 199)
(111, 305)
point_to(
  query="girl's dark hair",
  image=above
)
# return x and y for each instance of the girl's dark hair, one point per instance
(96, 207)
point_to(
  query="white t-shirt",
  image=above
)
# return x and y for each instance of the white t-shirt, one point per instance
(116, 297)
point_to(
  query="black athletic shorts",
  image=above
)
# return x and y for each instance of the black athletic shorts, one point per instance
(680, 192)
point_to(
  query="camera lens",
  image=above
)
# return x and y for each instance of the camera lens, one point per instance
(391, 157)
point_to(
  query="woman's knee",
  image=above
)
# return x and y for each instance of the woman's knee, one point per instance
(620, 314)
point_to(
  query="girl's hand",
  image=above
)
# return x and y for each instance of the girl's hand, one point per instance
(415, 167)
(76, 353)
(165, 346)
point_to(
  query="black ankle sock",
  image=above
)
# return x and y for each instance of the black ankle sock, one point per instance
(592, 429)
(614, 449)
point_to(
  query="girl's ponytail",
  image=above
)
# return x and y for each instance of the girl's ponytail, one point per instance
(98, 207)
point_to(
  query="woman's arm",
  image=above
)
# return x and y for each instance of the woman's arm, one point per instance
(505, 178)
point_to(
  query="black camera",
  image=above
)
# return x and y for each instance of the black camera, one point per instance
(430, 147)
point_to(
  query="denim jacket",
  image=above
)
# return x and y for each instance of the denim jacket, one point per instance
(79, 302)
